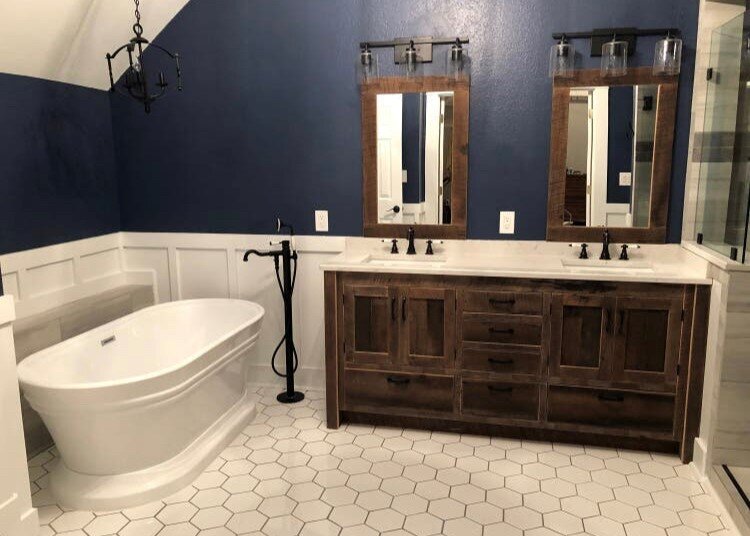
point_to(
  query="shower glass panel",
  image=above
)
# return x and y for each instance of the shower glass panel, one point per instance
(724, 190)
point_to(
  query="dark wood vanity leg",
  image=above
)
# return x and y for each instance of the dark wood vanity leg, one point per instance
(331, 341)
(695, 370)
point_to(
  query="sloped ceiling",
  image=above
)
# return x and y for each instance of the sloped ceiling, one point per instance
(67, 40)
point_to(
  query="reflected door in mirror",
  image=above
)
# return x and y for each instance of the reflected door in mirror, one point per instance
(609, 161)
(415, 157)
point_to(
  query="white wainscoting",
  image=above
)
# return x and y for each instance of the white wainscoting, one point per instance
(194, 265)
(43, 278)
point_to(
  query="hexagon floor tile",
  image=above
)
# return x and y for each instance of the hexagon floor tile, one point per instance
(287, 474)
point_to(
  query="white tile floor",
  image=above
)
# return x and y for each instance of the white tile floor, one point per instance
(287, 474)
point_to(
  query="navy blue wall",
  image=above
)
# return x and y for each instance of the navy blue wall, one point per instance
(57, 170)
(269, 121)
(412, 147)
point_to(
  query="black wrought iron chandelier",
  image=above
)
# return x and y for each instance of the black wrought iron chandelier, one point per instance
(135, 82)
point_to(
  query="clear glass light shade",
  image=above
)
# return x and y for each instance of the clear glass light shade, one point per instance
(411, 66)
(562, 60)
(367, 66)
(668, 56)
(457, 62)
(615, 58)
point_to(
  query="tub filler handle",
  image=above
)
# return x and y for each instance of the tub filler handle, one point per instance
(105, 342)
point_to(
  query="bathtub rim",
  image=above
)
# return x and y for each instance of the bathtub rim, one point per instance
(23, 372)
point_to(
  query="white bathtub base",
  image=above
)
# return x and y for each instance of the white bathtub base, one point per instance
(113, 492)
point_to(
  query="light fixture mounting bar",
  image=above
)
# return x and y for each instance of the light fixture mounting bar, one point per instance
(423, 46)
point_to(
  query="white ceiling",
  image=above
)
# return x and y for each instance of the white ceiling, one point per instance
(67, 40)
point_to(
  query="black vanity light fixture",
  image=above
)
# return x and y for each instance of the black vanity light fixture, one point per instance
(614, 45)
(410, 54)
(135, 81)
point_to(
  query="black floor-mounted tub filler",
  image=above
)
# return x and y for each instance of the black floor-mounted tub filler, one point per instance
(286, 281)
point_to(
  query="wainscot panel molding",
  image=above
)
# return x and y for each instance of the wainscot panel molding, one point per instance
(17, 516)
(44, 278)
(198, 265)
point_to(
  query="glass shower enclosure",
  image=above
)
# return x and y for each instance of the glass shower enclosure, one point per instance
(724, 144)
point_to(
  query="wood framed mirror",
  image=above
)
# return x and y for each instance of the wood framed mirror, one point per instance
(415, 144)
(611, 156)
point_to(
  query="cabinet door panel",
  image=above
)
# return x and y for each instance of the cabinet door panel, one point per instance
(647, 343)
(580, 346)
(369, 322)
(428, 325)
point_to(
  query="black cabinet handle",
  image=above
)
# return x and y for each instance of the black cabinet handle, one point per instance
(621, 322)
(496, 301)
(398, 381)
(610, 397)
(393, 308)
(499, 389)
(403, 309)
(496, 361)
(608, 322)
(498, 331)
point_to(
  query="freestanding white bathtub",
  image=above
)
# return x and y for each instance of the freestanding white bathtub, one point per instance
(140, 406)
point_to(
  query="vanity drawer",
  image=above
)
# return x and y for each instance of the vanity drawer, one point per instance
(518, 303)
(375, 389)
(500, 399)
(611, 409)
(502, 328)
(501, 359)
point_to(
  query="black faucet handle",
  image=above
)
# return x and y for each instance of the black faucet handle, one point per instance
(624, 253)
(584, 251)
(429, 248)
(394, 246)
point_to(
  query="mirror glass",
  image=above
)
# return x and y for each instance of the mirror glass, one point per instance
(610, 156)
(415, 157)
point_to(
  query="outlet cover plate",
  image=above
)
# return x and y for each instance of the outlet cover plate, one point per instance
(507, 222)
(321, 221)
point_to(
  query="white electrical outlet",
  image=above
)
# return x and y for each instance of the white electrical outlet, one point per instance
(507, 223)
(626, 179)
(321, 221)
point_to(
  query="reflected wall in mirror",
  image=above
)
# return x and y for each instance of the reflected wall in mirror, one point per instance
(415, 157)
(610, 155)
(415, 144)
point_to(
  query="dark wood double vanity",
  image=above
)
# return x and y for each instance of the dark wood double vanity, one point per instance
(616, 364)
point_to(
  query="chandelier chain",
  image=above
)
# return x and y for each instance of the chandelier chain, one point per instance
(137, 11)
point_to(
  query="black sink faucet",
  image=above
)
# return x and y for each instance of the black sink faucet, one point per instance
(605, 256)
(411, 250)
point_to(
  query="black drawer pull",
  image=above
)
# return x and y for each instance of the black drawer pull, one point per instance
(495, 361)
(499, 389)
(609, 397)
(403, 309)
(393, 308)
(495, 301)
(398, 381)
(498, 331)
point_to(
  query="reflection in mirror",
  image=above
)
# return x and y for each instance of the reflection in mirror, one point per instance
(610, 155)
(415, 157)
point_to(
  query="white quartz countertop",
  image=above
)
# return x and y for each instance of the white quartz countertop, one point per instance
(669, 264)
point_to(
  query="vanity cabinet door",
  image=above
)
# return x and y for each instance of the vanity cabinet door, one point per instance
(428, 327)
(647, 342)
(370, 324)
(580, 345)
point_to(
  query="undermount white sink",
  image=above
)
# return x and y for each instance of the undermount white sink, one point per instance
(613, 266)
(428, 261)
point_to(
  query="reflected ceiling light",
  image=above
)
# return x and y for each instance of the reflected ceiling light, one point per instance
(614, 58)
(668, 55)
(562, 59)
(135, 82)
